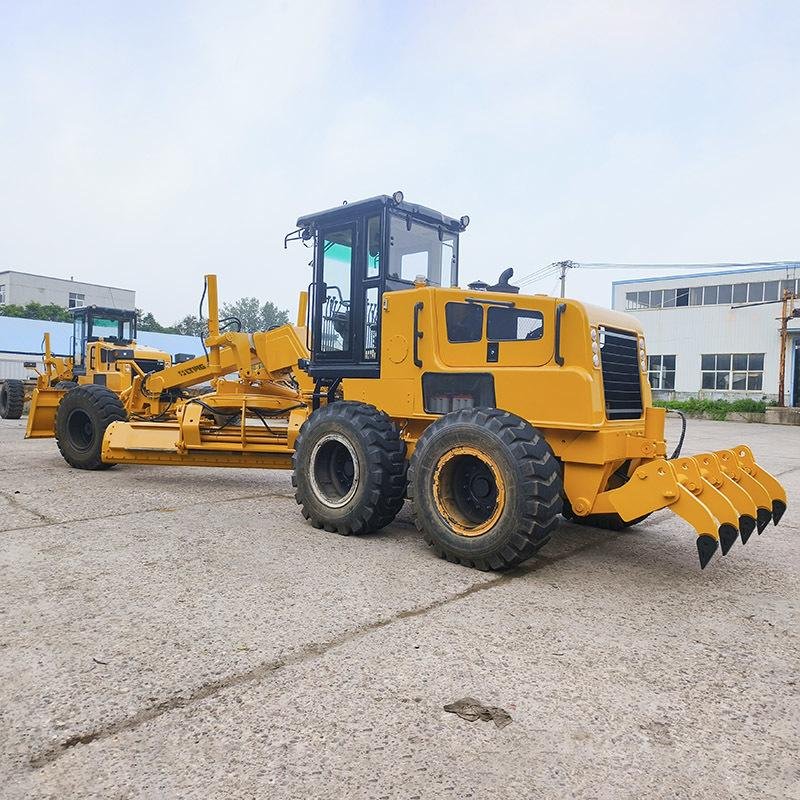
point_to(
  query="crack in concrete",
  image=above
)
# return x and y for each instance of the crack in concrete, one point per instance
(307, 653)
(13, 501)
(49, 523)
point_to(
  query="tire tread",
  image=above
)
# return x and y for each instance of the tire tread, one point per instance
(541, 513)
(386, 490)
(15, 399)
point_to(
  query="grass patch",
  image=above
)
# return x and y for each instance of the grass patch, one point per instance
(716, 409)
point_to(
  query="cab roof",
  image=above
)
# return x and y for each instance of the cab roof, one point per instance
(362, 207)
(122, 313)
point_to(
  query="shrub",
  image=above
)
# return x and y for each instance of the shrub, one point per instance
(716, 409)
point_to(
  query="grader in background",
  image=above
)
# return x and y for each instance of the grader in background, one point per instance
(104, 353)
(494, 411)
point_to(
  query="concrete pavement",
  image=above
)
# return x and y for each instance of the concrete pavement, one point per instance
(184, 633)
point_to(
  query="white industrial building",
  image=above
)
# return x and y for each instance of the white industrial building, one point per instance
(716, 335)
(21, 288)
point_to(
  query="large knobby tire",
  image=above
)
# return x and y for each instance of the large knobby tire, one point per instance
(486, 488)
(12, 399)
(349, 468)
(65, 385)
(82, 417)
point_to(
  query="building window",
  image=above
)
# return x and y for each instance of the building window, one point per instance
(733, 371)
(771, 290)
(722, 294)
(662, 371)
(2, 294)
(755, 292)
(76, 300)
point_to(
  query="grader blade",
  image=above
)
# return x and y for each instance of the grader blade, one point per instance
(42, 413)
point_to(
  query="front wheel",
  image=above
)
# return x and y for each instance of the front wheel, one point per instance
(82, 417)
(349, 468)
(486, 488)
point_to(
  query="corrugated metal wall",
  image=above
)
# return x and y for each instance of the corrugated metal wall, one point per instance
(21, 340)
(12, 366)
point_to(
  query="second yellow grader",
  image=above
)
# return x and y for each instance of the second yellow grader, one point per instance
(494, 412)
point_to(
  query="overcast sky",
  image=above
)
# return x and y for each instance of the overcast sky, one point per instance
(144, 144)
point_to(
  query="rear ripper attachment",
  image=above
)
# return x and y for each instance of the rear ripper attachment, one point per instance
(722, 495)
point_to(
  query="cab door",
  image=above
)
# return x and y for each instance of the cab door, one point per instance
(346, 299)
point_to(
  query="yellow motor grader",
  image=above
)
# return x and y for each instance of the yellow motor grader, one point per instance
(104, 353)
(493, 411)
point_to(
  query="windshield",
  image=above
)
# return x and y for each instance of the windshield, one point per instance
(103, 328)
(418, 250)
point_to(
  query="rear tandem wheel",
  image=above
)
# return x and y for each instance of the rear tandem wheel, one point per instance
(12, 399)
(486, 488)
(349, 468)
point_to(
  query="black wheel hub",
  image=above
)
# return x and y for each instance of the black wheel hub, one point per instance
(474, 488)
(333, 471)
(81, 429)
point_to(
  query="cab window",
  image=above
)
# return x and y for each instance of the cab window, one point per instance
(464, 322)
(513, 324)
(416, 250)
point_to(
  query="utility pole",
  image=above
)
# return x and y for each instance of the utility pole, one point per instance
(787, 312)
(564, 266)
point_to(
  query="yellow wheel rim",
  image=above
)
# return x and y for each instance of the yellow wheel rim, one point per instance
(469, 491)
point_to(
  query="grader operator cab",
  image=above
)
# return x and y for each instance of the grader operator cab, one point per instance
(103, 340)
(494, 412)
(104, 353)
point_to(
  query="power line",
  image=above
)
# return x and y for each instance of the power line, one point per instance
(561, 267)
(539, 274)
(715, 265)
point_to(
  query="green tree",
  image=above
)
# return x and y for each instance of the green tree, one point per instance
(190, 325)
(254, 315)
(50, 312)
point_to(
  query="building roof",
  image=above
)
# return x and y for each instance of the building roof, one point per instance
(784, 266)
(25, 336)
(63, 280)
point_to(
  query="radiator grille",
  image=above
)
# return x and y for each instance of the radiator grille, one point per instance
(622, 383)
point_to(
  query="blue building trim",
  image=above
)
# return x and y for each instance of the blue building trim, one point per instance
(745, 270)
(786, 267)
